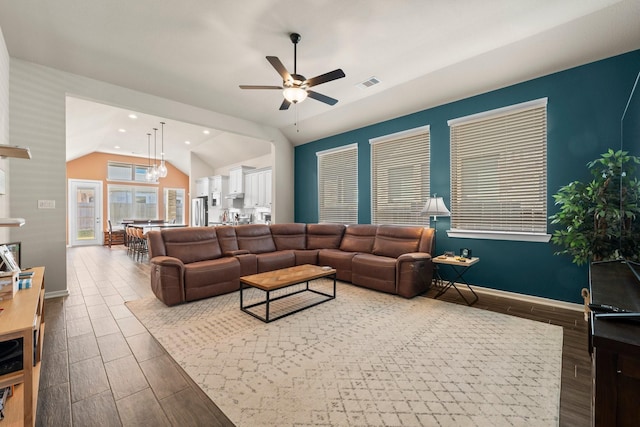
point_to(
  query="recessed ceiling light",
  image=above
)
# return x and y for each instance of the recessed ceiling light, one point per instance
(187, 142)
(133, 116)
(206, 132)
(117, 147)
(122, 130)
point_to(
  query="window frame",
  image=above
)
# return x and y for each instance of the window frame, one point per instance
(342, 205)
(541, 190)
(137, 172)
(406, 207)
(132, 189)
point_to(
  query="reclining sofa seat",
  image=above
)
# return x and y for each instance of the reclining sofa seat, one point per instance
(357, 238)
(192, 255)
(257, 239)
(390, 266)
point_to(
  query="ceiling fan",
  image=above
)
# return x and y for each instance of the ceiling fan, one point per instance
(295, 87)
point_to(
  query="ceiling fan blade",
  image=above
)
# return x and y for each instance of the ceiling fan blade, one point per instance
(275, 62)
(285, 105)
(326, 77)
(322, 98)
(259, 87)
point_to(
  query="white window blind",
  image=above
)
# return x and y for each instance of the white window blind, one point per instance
(338, 185)
(400, 177)
(499, 170)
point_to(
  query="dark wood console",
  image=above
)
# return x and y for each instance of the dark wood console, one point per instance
(615, 346)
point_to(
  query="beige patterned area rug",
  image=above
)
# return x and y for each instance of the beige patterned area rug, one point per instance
(364, 359)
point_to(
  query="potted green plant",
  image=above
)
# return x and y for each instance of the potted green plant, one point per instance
(600, 220)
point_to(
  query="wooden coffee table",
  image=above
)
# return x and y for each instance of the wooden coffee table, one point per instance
(278, 279)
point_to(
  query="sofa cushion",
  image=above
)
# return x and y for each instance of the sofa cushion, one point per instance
(255, 238)
(393, 241)
(340, 260)
(374, 272)
(289, 236)
(359, 238)
(191, 244)
(214, 277)
(275, 260)
(227, 238)
(324, 236)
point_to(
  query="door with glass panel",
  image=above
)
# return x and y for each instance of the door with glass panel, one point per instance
(85, 213)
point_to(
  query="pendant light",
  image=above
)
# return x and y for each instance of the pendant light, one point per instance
(162, 169)
(154, 169)
(149, 175)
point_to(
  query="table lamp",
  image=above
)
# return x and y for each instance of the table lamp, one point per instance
(435, 207)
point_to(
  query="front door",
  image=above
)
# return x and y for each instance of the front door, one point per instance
(85, 213)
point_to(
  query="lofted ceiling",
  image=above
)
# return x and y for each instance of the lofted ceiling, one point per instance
(423, 52)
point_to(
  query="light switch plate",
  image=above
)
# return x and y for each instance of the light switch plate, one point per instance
(46, 204)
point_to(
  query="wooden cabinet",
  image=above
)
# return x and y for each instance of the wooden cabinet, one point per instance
(202, 186)
(23, 317)
(615, 345)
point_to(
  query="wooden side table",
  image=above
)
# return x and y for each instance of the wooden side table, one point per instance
(459, 266)
(23, 317)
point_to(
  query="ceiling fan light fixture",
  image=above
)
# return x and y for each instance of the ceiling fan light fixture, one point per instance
(294, 94)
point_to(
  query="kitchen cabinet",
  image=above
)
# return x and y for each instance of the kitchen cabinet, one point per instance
(218, 186)
(267, 188)
(236, 179)
(202, 186)
(215, 184)
(258, 189)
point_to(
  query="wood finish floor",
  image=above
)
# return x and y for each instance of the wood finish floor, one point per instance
(102, 368)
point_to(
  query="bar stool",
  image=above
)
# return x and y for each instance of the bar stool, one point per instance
(142, 248)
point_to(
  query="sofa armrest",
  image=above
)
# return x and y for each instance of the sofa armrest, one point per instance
(414, 272)
(414, 256)
(236, 252)
(167, 279)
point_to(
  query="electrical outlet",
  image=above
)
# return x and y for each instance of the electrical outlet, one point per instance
(46, 204)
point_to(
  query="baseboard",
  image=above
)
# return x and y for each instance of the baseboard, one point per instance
(56, 294)
(527, 298)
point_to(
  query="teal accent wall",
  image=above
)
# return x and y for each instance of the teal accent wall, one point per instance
(585, 105)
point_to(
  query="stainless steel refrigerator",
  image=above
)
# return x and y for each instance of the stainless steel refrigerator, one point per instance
(200, 212)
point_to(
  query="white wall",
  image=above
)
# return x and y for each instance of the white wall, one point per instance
(4, 132)
(37, 120)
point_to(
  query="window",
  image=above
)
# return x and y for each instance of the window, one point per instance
(400, 177)
(126, 172)
(131, 202)
(499, 173)
(338, 185)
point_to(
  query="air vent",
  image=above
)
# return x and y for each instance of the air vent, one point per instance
(372, 81)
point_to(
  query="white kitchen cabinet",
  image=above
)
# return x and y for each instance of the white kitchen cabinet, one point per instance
(202, 186)
(236, 179)
(218, 186)
(215, 184)
(257, 192)
(250, 190)
(267, 188)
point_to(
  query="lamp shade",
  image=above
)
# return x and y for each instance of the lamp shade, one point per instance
(294, 94)
(435, 207)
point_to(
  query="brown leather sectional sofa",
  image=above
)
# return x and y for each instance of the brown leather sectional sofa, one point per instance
(191, 263)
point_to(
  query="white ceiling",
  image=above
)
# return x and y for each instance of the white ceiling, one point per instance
(93, 126)
(425, 53)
